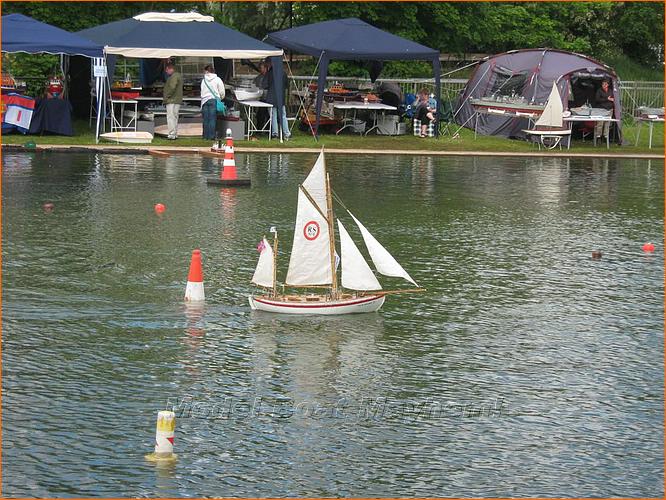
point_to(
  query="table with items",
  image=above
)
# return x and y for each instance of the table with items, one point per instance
(353, 122)
(250, 107)
(570, 120)
(649, 116)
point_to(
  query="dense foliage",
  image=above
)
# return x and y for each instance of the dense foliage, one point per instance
(608, 31)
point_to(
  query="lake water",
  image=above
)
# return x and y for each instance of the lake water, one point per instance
(527, 369)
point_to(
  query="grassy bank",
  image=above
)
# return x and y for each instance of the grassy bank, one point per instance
(463, 141)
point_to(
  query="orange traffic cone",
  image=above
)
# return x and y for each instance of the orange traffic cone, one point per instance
(194, 292)
(229, 173)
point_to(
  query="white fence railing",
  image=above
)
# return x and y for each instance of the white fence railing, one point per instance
(634, 93)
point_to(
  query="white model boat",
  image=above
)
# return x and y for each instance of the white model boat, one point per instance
(128, 137)
(549, 128)
(247, 94)
(517, 106)
(313, 262)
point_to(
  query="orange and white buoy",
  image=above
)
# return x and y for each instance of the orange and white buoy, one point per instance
(194, 292)
(229, 173)
(164, 437)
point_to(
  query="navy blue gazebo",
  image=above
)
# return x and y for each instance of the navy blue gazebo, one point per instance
(24, 34)
(351, 39)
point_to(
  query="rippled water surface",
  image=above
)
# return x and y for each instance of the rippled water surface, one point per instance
(527, 369)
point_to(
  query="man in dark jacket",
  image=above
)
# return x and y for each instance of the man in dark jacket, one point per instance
(271, 98)
(172, 98)
(603, 99)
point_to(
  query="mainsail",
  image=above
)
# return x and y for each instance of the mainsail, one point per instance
(310, 262)
(356, 274)
(552, 113)
(381, 258)
(263, 274)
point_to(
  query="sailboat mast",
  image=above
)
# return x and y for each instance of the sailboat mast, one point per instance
(275, 250)
(331, 236)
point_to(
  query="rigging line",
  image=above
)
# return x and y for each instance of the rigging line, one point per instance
(337, 198)
(469, 95)
(460, 69)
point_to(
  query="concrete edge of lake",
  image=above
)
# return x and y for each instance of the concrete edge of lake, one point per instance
(143, 149)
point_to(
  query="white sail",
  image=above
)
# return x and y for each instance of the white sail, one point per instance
(315, 183)
(552, 113)
(356, 274)
(263, 274)
(381, 258)
(310, 261)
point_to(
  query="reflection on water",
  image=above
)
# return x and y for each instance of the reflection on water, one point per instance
(527, 369)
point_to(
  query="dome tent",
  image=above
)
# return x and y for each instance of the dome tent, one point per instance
(530, 73)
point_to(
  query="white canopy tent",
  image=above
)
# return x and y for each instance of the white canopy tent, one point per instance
(164, 35)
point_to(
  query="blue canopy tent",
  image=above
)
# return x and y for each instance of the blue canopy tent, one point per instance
(351, 39)
(24, 34)
(164, 35)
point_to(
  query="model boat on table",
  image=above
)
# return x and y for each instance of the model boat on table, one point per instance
(311, 285)
(510, 105)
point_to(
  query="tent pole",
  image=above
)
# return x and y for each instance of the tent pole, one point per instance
(321, 83)
(437, 68)
(99, 95)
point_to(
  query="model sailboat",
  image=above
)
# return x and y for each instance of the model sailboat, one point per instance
(549, 127)
(313, 261)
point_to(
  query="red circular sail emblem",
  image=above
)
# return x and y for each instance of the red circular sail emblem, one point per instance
(311, 230)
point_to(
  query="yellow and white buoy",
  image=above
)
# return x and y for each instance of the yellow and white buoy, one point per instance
(164, 437)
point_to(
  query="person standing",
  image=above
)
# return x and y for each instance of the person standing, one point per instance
(212, 89)
(604, 99)
(271, 98)
(172, 98)
(260, 81)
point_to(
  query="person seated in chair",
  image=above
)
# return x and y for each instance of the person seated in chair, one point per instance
(424, 111)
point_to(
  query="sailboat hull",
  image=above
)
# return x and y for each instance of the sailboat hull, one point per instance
(288, 305)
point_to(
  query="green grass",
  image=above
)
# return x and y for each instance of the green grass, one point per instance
(464, 142)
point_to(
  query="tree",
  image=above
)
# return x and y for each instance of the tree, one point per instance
(638, 28)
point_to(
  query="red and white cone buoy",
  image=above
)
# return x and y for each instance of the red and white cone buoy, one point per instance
(194, 292)
(164, 437)
(229, 173)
